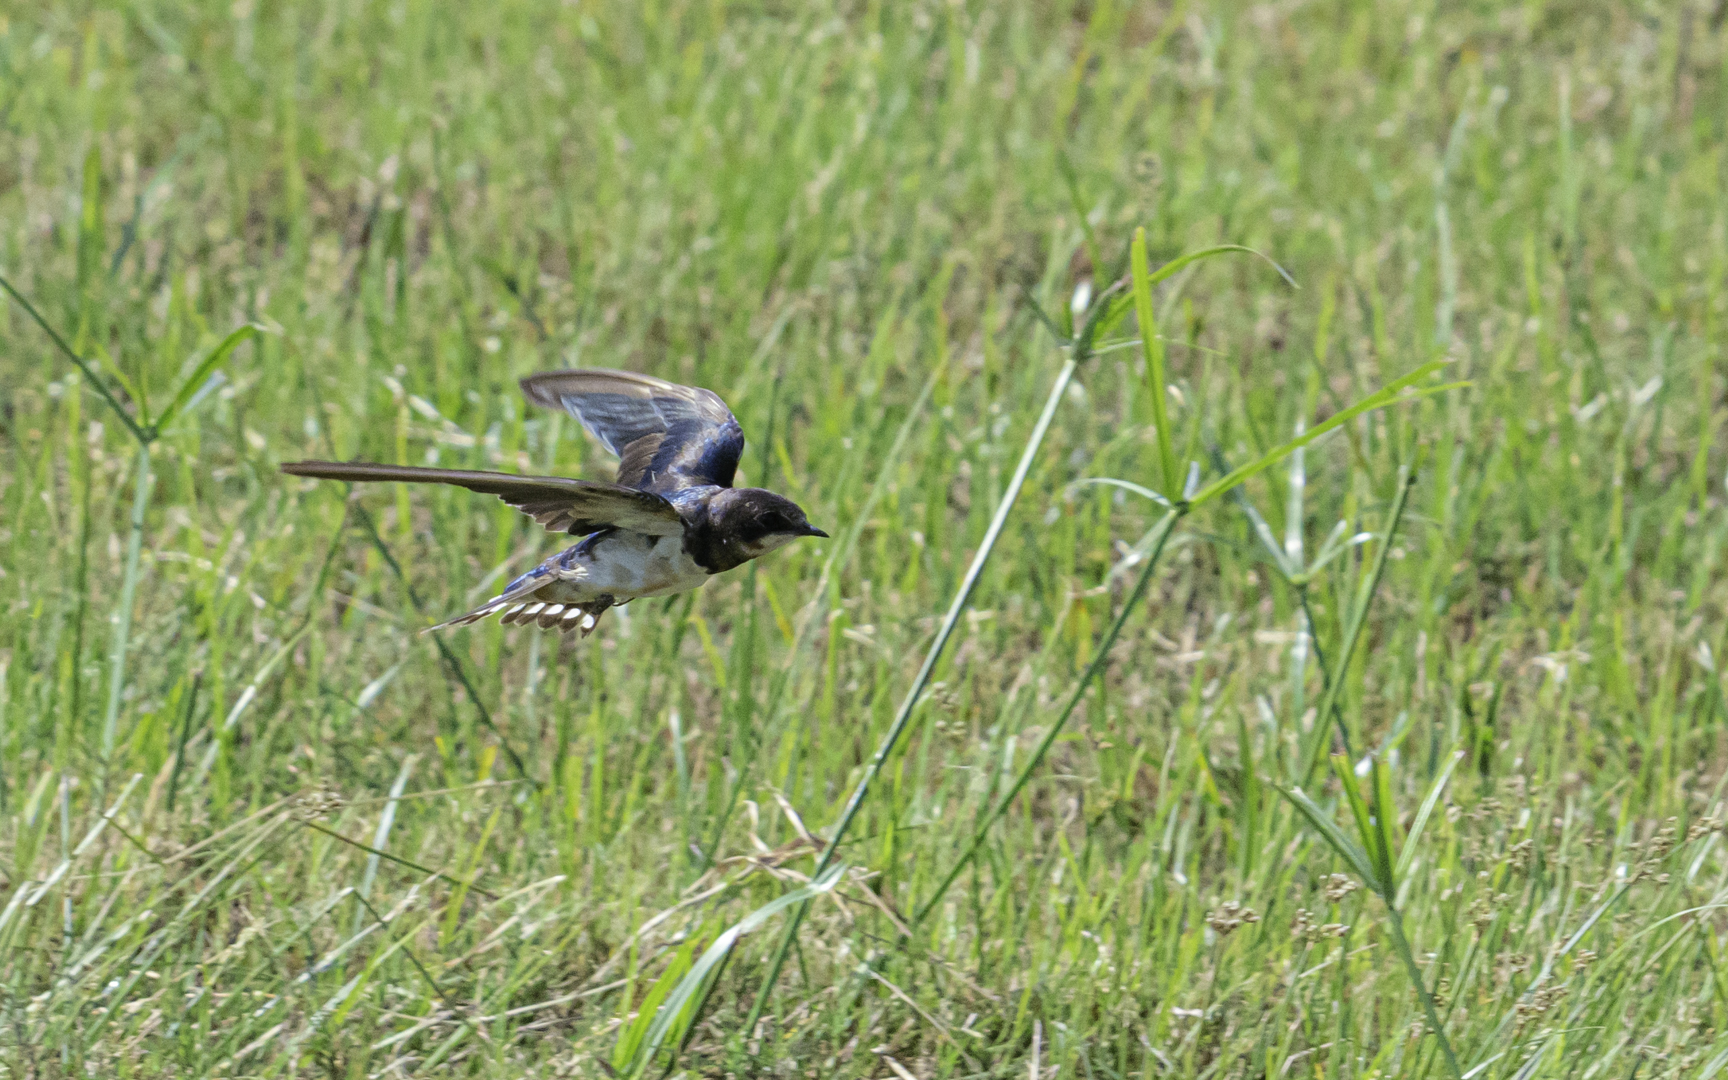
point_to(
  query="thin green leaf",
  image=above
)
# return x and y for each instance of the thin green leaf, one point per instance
(122, 622)
(1249, 811)
(1181, 261)
(1152, 349)
(1334, 546)
(1386, 821)
(675, 1008)
(1595, 917)
(1353, 630)
(630, 1039)
(1482, 1066)
(203, 372)
(915, 693)
(79, 362)
(1050, 324)
(1386, 395)
(1159, 536)
(1430, 1008)
(1359, 811)
(1263, 533)
(126, 384)
(1256, 520)
(1407, 854)
(1125, 485)
(1111, 317)
(1348, 849)
(1536, 1060)
(1103, 312)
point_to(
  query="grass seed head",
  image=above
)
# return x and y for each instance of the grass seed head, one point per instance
(1229, 916)
(1338, 886)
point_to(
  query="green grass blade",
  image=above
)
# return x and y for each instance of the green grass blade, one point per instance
(1152, 350)
(908, 705)
(203, 371)
(628, 1050)
(79, 362)
(1125, 485)
(1401, 945)
(1347, 849)
(1385, 824)
(1100, 659)
(1248, 813)
(1367, 837)
(1152, 345)
(1181, 262)
(128, 598)
(1353, 631)
(1408, 852)
(682, 1005)
(1386, 395)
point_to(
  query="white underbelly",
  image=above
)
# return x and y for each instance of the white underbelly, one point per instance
(626, 565)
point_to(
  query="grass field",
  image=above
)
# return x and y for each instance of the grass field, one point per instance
(253, 824)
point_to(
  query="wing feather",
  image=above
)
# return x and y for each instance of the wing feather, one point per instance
(667, 437)
(577, 507)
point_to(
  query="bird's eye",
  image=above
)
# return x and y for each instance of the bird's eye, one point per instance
(774, 521)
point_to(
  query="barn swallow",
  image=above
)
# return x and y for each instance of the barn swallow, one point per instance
(670, 521)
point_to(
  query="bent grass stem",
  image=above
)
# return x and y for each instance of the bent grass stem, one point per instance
(909, 704)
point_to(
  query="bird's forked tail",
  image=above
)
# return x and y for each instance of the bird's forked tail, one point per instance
(548, 616)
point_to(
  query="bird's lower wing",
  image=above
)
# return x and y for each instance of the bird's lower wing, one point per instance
(577, 507)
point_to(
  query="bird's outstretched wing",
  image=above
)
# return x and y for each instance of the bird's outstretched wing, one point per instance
(667, 437)
(577, 507)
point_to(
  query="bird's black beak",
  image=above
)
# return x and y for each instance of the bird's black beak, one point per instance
(811, 530)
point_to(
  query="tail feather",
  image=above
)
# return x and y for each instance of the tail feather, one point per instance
(513, 610)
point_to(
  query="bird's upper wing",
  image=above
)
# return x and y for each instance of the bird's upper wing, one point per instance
(667, 437)
(577, 507)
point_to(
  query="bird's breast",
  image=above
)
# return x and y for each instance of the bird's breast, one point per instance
(626, 565)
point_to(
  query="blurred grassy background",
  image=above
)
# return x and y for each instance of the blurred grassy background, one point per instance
(817, 210)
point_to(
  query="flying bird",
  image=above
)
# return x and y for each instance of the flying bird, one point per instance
(670, 521)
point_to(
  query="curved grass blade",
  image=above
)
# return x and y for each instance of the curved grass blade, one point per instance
(79, 362)
(1125, 485)
(1162, 531)
(915, 693)
(678, 1003)
(1353, 630)
(629, 1045)
(1348, 849)
(1359, 812)
(202, 373)
(1152, 345)
(1407, 853)
(1382, 397)
(1152, 348)
(1181, 261)
(1100, 658)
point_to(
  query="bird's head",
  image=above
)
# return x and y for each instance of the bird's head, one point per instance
(756, 521)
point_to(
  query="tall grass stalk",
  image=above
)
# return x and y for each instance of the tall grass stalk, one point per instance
(908, 705)
(122, 617)
(1102, 313)
(1358, 617)
(1100, 660)
(1155, 542)
(837, 560)
(1373, 853)
(144, 432)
